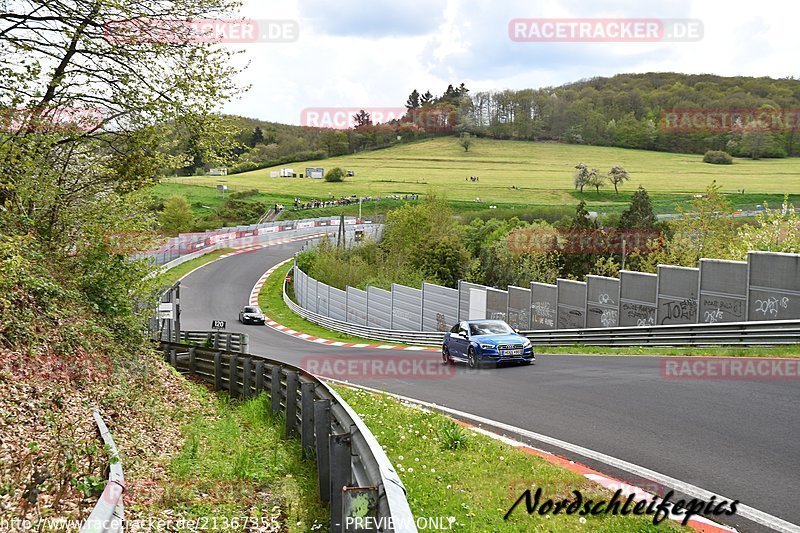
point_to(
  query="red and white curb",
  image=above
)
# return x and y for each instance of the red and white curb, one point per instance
(698, 523)
(318, 340)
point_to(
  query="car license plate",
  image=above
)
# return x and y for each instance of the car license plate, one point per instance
(512, 352)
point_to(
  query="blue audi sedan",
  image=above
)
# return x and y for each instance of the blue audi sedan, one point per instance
(486, 341)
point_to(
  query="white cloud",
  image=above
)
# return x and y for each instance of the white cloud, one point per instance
(366, 53)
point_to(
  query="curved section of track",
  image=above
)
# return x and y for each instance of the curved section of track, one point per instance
(740, 439)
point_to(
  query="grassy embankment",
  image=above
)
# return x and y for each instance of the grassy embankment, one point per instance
(542, 171)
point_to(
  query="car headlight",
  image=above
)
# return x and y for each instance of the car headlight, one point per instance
(527, 343)
(488, 347)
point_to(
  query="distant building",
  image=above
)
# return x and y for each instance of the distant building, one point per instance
(222, 171)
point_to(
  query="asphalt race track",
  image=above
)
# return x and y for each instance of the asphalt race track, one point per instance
(740, 439)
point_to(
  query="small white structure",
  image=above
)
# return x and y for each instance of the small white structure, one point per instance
(315, 172)
(218, 171)
(273, 173)
(287, 172)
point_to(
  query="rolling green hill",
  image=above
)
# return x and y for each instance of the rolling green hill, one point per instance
(542, 171)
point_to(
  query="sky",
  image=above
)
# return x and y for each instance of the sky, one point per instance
(373, 53)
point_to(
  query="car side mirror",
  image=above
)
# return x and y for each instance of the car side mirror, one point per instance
(516, 331)
(463, 333)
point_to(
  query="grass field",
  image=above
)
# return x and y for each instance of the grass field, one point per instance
(542, 171)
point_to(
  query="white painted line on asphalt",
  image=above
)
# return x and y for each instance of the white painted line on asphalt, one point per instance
(745, 511)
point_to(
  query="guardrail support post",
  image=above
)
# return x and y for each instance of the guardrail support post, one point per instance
(291, 403)
(307, 419)
(247, 373)
(173, 358)
(166, 353)
(232, 370)
(259, 377)
(229, 342)
(354, 501)
(217, 371)
(275, 390)
(216, 340)
(341, 476)
(192, 360)
(245, 343)
(322, 431)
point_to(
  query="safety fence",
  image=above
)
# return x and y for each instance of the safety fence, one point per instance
(108, 514)
(766, 287)
(355, 475)
(738, 333)
(187, 246)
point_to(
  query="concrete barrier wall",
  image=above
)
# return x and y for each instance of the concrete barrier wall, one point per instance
(602, 302)
(379, 308)
(544, 305)
(723, 291)
(571, 297)
(439, 307)
(774, 288)
(766, 287)
(638, 292)
(496, 304)
(406, 308)
(519, 308)
(677, 295)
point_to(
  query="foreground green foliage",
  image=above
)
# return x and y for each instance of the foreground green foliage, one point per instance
(236, 465)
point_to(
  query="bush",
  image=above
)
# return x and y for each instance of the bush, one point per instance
(335, 175)
(244, 194)
(717, 157)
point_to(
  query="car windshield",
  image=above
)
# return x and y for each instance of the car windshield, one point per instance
(252, 310)
(489, 328)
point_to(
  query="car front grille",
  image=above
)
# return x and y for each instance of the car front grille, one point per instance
(509, 346)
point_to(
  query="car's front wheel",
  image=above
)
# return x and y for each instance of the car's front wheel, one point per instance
(446, 355)
(472, 358)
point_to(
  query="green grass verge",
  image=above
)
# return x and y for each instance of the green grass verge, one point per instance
(172, 275)
(720, 351)
(270, 299)
(234, 464)
(450, 471)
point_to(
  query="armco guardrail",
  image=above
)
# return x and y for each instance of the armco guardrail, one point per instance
(735, 333)
(229, 341)
(731, 333)
(189, 245)
(108, 514)
(352, 466)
